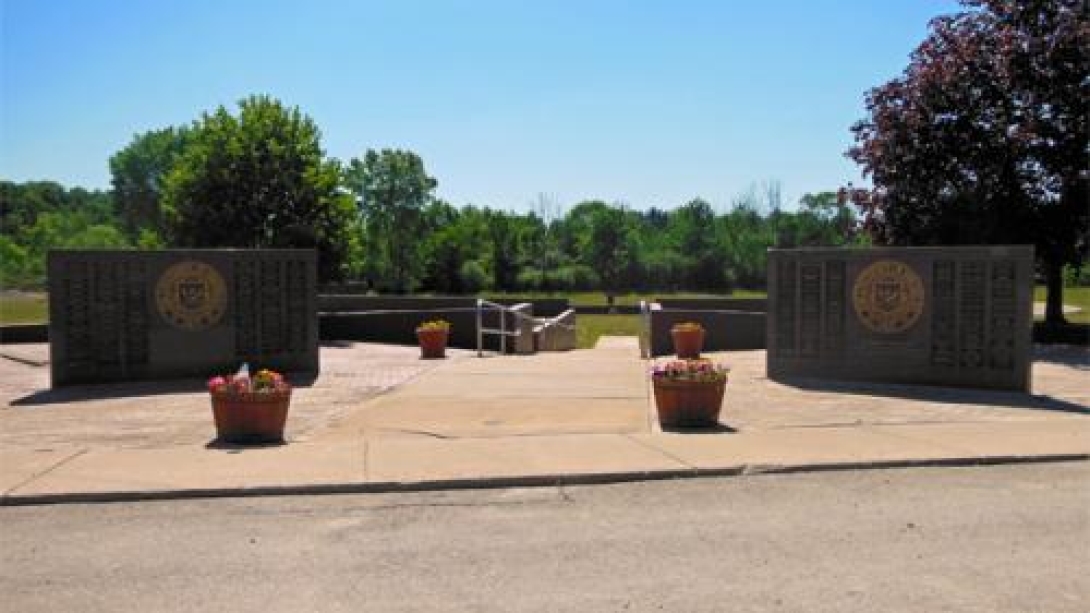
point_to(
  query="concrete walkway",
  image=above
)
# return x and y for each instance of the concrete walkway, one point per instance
(379, 419)
(576, 392)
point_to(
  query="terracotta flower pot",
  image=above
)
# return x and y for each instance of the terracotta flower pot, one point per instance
(688, 403)
(433, 342)
(688, 342)
(251, 417)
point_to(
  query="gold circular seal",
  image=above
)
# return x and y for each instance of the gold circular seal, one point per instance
(191, 295)
(888, 296)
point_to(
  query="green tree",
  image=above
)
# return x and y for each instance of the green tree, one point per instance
(14, 263)
(545, 250)
(138, 176)
(260, 179)
(392, 188)
(693, 229)
(446, 248)
(824, 219)
(983, 139)
(746, 236)
(22, 203)
(505, 253)
(41, 215)
(608, 247)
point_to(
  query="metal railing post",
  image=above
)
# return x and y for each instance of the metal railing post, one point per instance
(480, 333)
(502, 312)
(645, 330)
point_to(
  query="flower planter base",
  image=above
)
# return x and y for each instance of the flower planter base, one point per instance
(687, 343)
(248, 418)
(433, 343)
(688, 403)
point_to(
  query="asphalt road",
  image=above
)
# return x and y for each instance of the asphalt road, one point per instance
(1013, 538)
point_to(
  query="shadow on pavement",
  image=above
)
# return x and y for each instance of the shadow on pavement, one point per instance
(132, 389)
(949, 395)
(337, 344)
(218, 445)
(1071, 356)
(716, 429)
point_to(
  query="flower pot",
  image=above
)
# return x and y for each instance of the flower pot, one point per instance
(250, 417)
(433, 342)
(688, 342)
(688, 403)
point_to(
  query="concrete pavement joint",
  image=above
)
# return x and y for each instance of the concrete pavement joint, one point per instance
(652, 410)
(366, 458)
(661, 451)
(436, 435)
(22, 360)
(526, 481)
(45, 472)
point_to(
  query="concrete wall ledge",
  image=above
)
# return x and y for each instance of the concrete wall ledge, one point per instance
(24, 333)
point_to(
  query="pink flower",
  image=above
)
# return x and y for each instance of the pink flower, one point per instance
(215, 383)
(262, 381)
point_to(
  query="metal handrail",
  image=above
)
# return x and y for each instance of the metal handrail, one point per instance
(480, 307)
(555, 320)
(502, 332)
(502, 307)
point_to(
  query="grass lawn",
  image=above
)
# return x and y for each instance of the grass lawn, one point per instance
(23, 308)
(590, 327)
(1073, 296)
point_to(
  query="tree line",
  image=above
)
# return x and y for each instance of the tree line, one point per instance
(982, 140)
(259, 178)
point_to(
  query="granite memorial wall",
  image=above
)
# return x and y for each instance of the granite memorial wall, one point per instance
(128, 315)
(958, 316)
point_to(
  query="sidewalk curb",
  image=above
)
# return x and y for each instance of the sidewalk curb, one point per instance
(554, 480)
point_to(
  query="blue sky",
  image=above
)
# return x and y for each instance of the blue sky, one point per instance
(650, 103)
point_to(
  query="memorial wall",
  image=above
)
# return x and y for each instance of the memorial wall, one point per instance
(959, 316)
(127, 315)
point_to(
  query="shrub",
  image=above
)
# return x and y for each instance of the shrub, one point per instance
(584, 278)
(530, 280)
(474, 277)
(1077, 276)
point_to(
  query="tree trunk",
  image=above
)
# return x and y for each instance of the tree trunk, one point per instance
(1054, 307)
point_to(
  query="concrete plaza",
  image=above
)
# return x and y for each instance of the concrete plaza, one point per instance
(380, 419)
